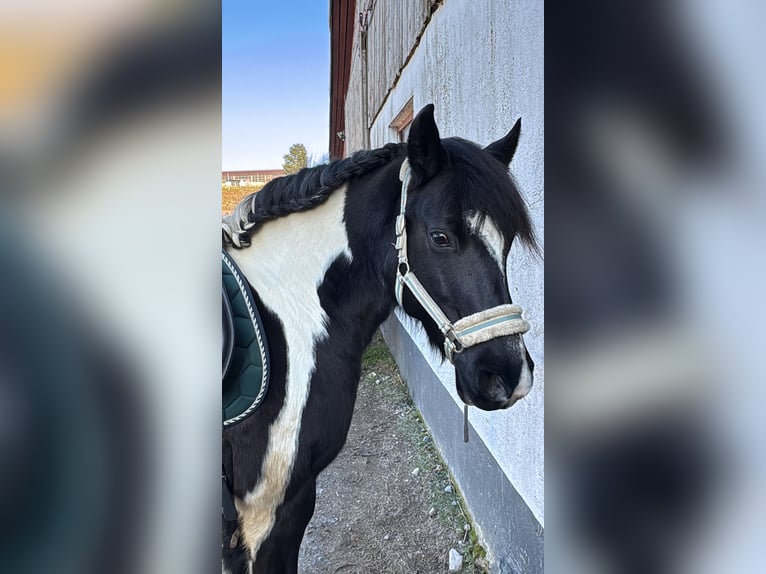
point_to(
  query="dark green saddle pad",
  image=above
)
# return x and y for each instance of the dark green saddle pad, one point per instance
(245, 376)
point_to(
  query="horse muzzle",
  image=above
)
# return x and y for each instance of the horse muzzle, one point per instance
(494, 375)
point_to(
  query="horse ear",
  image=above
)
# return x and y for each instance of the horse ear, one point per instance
(504, 148)
(424, 148)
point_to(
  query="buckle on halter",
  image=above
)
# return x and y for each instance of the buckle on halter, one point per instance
(458, 346)
(452, 344)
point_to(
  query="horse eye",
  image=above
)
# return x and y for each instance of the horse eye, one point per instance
(440, 239)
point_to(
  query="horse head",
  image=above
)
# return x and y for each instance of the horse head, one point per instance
(463, 211)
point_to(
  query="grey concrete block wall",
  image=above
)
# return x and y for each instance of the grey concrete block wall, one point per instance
(481, 64)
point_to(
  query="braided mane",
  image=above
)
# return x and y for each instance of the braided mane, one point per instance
(304, 190)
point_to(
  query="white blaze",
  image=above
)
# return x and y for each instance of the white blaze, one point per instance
(493, 240)
(490, 236)
(286, 263)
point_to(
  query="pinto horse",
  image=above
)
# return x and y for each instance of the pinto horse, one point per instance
(329, 253)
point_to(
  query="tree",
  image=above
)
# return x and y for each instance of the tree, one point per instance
(296, 159)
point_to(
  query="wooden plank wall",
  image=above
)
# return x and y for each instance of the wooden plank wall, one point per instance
(394, 29)
(355, 122)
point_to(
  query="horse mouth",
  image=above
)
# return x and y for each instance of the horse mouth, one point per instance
(492, 392)
(486, 403)
(464, 397)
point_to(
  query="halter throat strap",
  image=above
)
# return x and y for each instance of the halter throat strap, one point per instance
(497, 321)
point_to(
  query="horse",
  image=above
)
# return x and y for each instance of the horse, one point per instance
(329, 253)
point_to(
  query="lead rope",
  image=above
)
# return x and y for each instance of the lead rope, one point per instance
(465, 422)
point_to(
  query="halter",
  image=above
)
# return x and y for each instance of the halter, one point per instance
(497, 321)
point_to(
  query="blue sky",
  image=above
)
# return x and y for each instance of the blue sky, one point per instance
(276, 80)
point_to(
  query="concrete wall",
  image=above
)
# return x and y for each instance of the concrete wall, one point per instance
(481, 64)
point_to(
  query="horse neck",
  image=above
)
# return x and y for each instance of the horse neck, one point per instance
(372, 204)
(333, 265)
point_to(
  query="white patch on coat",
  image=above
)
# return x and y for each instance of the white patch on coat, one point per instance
(516, 345)
(490, 236)
(525, 376)
(286, 263)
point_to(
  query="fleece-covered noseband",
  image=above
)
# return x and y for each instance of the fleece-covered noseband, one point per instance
(483, 326)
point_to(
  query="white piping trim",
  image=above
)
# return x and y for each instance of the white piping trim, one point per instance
(261, 347)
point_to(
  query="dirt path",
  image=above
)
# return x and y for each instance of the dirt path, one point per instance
(375, 512)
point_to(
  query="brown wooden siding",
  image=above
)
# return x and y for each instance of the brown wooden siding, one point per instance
(342, 22)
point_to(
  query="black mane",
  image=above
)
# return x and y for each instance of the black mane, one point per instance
(484, 178)
(488, 190)
(304, 190)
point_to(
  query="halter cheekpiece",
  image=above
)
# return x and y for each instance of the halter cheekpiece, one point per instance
(497, 321)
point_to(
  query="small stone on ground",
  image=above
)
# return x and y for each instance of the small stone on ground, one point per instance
(455, 561)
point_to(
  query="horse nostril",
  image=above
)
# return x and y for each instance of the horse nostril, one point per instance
(494, 387)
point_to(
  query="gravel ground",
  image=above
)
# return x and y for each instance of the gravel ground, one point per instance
(387, 503)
